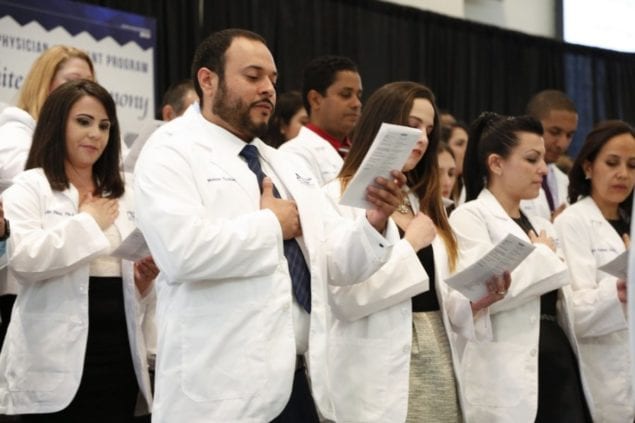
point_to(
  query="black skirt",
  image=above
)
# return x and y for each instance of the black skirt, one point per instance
(560, 395)
(108, 389)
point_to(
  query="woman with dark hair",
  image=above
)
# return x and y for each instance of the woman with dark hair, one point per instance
(399, 326)
(287, 119)
(74, 349)
(447, 175)
(593, 231)
(52, 68)
(455, 135)
(527, 372)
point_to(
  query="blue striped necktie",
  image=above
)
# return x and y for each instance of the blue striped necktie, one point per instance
(300, 275)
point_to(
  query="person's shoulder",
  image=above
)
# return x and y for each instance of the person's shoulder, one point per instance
(15, 116)
(578, 212)
(32, 179)
(305, 140)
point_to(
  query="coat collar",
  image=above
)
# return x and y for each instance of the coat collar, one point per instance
(495, 209)
(590, 209)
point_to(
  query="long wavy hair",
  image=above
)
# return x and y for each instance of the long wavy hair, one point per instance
(392, 103)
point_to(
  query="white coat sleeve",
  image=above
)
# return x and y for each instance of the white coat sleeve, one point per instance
(464, 322)
(399, 279)
(596, 307)
(541, 272)
(37, 253)
(187, 240)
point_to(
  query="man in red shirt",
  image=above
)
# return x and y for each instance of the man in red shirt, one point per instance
(332, 91)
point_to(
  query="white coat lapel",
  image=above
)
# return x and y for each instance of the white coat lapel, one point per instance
(602, 226)
(502, 224)
(301, 188)
(223, 148)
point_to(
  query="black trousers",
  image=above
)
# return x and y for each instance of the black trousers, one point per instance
(301, 407)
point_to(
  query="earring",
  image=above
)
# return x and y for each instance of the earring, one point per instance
(587, 177)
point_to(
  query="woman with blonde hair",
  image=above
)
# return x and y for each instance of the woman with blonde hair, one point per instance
(55, 66)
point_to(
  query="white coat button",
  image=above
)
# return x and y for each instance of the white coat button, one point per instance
(406, 349)
(532, 319)
(285, 308)
(533, 352)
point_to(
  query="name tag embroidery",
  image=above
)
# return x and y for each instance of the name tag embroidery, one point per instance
(59, 213)
(221, 179)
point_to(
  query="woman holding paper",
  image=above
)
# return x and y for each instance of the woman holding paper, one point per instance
(592, 232)
(527, 372)
(391, 341)
(74, 349)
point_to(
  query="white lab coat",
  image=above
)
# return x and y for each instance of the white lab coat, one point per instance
(226, 349)
(50, 248)
(16, 133)
(500, 377)
(371, 333)
(589, 241)
(316, 154)
(539, 206)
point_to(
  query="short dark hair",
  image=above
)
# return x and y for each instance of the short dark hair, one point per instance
(601, 134)
(492, 133)
(48, 149)
(545, 101)
(175, 94)
(210, 53)
(287, 105)
(320, 73)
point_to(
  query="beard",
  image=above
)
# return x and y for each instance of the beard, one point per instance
(235, 112)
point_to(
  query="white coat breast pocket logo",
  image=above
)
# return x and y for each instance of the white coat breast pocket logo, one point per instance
(305, 180)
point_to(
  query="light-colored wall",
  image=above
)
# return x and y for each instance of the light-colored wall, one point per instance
(536, 17)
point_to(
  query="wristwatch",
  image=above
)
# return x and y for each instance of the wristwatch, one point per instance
(7, 230)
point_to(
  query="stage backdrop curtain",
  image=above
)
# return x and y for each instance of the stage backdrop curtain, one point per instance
(471, 67)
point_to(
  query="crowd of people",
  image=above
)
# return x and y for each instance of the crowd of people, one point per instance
(266, 300)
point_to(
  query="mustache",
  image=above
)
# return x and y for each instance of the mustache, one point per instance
(264, 100)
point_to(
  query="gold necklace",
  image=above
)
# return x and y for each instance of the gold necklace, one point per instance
(405, 207)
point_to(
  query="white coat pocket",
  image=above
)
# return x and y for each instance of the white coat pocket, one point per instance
(37, 346)
(364, 370)
(229, 345)
(495, 373)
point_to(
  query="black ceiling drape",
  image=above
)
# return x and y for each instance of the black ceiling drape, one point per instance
(471, 67)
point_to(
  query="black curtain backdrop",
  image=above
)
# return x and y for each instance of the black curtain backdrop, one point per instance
(471, 67)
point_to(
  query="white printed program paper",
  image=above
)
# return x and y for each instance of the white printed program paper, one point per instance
(618, 266)
(132, 248)
(505, 256)
(390, 150)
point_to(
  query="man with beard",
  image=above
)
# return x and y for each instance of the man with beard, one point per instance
(559, 119)
(244, 257)
(332, 92)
